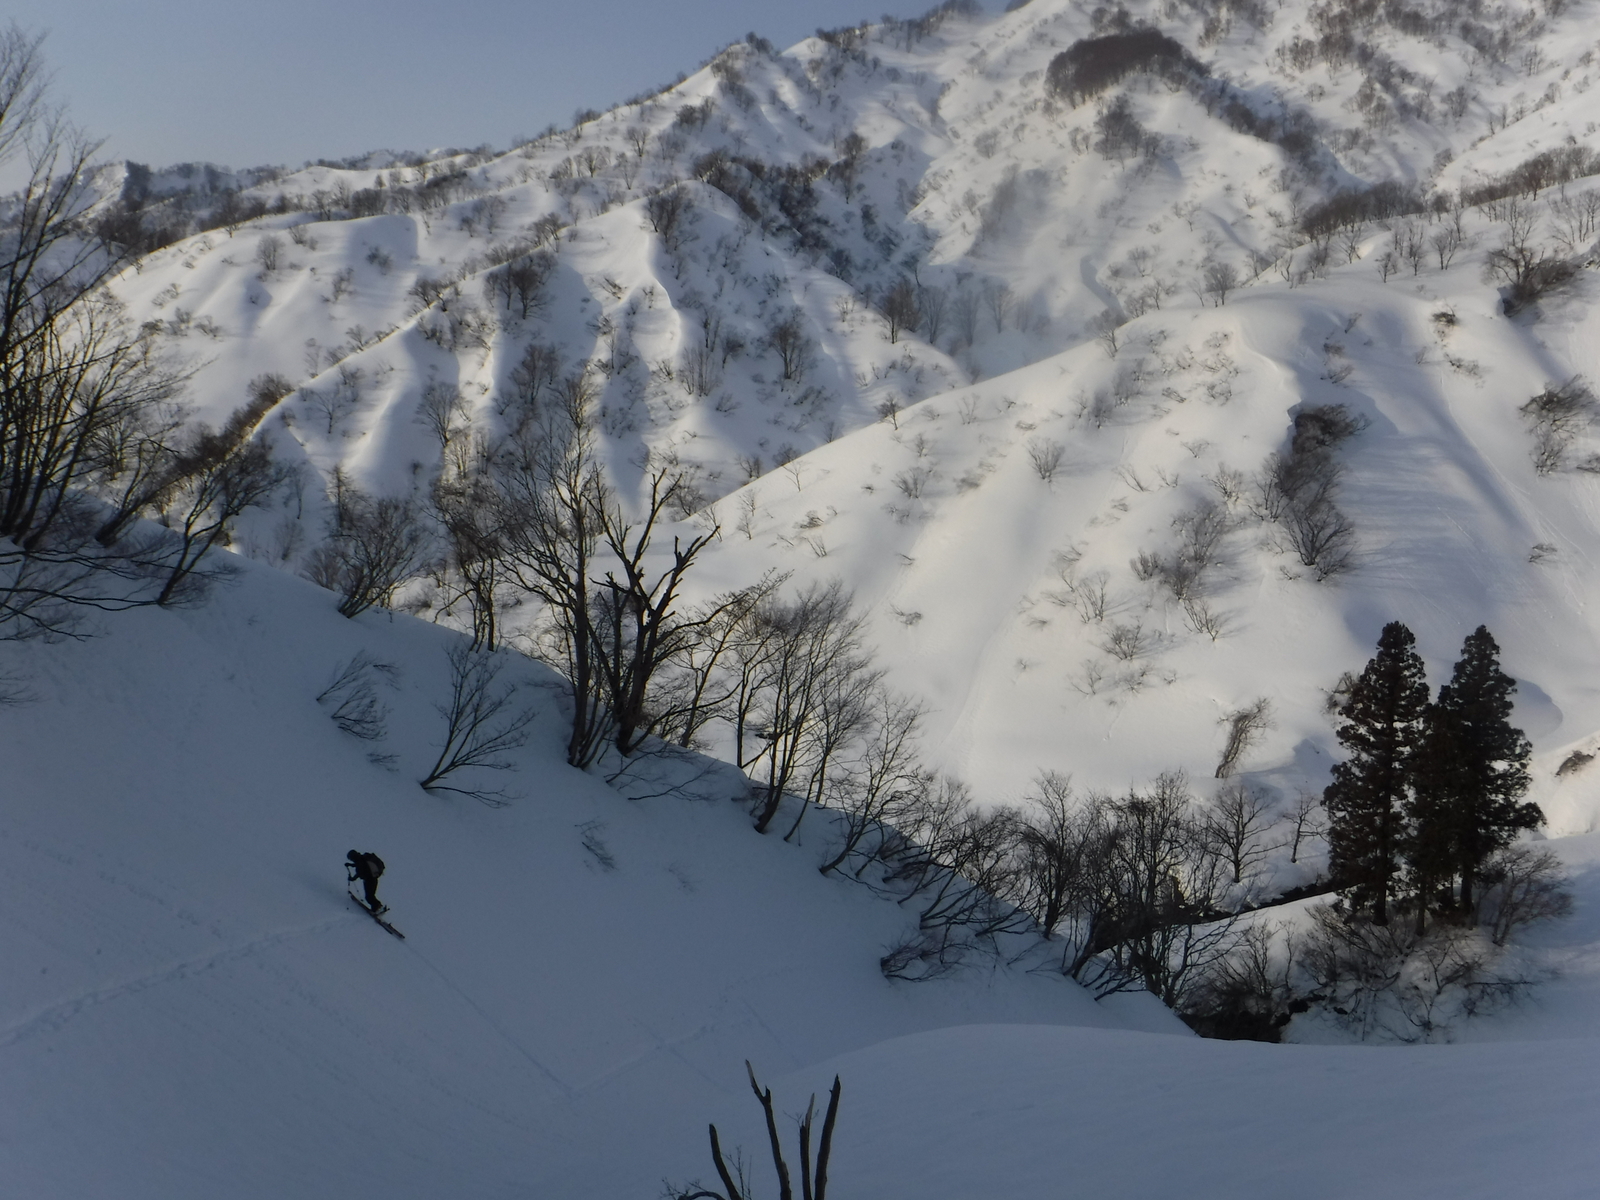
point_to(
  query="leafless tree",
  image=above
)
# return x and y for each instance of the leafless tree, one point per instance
(536, 372)
(269, 252)
(1163, 929)
(808, 659)
(464, 505)
(900, 309)
(1304, 822)
(1558, 416)
(933, 302)
(1237, 822)
(965, 309)
(1524, 885)
(1298, 490)
(787, 338)
(1217, 280)
(1390, 981)
(373, 549)
(443, 411)
(1577, 220)
(1245, 727)
(86, 406)
(1528, 270)
(956, 864)
(1251, 992)
(813, 1171)
(872, 787)
(667, 212)
(1107, 330)
(520, 285)
(1059, 835)
(338, 399)
(222, 474)
(1001, 301)
(549, 494)
(482, 724)
(352, 698)
(1044, 454)
(698, 688)
(638, 628)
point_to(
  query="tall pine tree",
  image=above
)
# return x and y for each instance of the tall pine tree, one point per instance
(1469, 793)
(1382, 728)
(1437, 782)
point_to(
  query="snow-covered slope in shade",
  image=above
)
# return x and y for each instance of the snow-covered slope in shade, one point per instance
(192, 1006)
(1036, 1113)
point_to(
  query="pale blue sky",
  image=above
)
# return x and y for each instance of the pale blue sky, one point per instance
(286, 80)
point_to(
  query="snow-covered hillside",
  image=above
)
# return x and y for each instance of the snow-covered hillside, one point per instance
(1131, 283)
(1026, 359)
(191, 1007)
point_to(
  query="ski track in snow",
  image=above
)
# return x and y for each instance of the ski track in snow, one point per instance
(55, 1016)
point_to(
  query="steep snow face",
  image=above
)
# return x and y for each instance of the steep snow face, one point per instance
(192, 1004)
(1120, 281)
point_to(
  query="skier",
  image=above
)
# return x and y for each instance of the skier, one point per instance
(366, 867)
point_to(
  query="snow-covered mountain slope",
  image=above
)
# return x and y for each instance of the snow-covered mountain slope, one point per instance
(192, 1006)
(1015, 603)
(1044, 485)
(1073, 258)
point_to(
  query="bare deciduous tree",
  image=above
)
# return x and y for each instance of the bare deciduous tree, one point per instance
(667, 212)
(352, 697)
(1245, 727)
(1528, 270)
(1523, 885)
(520, 284)
(1044, 455)
(813, 1171)
(374, 548)
(269, 252)
(1304, 822)
(787, 338)
(1558, 416)
(900, 309)
(1237, 822)
(223, 474)
(482, 724)
(871, 789)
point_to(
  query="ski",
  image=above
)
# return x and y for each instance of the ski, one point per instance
(378, 917)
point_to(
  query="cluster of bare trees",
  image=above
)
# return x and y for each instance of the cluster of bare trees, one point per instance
(1558, 416)
(1298, 490)
(90, 433)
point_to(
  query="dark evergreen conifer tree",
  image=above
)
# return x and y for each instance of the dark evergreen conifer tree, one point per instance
(1382, 728)
(1437, 782)
(1475, 790)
